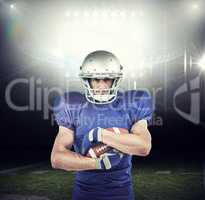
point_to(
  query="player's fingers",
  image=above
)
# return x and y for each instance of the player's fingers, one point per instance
(90, 135)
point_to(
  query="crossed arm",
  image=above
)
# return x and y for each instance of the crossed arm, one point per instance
(137, 143)
(63, 158)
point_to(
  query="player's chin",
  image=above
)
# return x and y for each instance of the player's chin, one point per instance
(101, 92)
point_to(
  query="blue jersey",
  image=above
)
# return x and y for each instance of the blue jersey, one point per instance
(73, 111)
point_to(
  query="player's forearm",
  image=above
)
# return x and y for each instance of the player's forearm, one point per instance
(127, 143)
(71, 161)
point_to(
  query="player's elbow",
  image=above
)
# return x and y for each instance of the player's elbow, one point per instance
(144, 150)
(54, 160)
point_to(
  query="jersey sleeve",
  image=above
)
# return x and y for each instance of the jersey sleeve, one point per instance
(142, 107)
(62, 113)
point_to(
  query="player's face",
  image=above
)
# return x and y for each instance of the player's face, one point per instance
(101, 85)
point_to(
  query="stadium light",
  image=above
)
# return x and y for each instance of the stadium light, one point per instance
(95, 14)
(76, 13)
(104, 14)
(114, 14)
(68, 14)
(201, 63)
(133, 14)
(123, 14)
(85, 14)
(195, 6)
(141, 13)
(12, 6)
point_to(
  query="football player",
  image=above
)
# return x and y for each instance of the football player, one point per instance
(83, 120)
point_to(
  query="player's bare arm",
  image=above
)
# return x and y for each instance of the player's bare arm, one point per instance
(63, 158)
(138, 142)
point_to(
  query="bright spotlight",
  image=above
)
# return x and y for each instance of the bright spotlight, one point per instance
(201, 63)
(123, 14)
(86, 13)
(95, 14)
(104, 14)
(68, 14)
(141, 13)
(12, 6)
(76, 14)
(195, 6)
(114, 14)
(133, 14)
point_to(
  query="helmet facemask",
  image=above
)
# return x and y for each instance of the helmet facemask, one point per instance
(105, 96)
(101, 65)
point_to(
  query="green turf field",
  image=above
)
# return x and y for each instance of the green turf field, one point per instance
(165, 181)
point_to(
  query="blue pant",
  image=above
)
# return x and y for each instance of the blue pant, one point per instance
(102, 193)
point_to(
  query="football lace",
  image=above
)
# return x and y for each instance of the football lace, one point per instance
(102, 148)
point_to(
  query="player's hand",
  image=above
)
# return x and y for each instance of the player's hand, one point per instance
(109, 159)
(94, 136)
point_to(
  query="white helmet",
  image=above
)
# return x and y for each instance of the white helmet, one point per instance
(101, 65)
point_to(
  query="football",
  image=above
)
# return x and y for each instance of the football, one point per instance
(100, 148)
